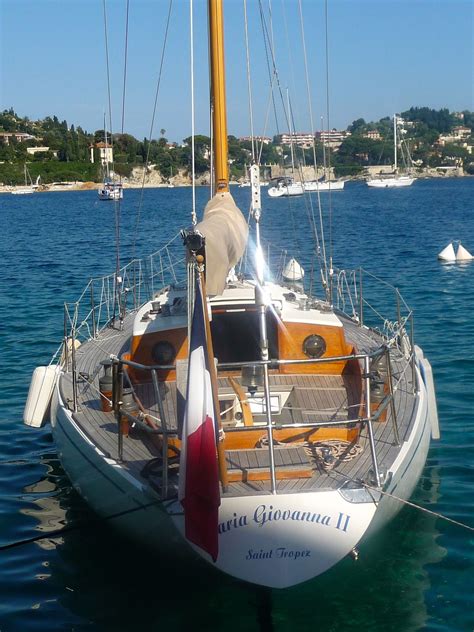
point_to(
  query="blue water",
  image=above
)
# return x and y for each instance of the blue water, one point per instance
(418, 574)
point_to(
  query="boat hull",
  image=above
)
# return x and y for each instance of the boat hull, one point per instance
(272, 540)
(290, 190)
(391, 183)
(108, 489)
(321, 187)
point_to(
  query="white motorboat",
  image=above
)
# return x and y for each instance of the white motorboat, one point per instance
(285, 187)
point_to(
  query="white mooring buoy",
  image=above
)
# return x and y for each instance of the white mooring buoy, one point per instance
(293, 271)
(449, 255)
(463, 254)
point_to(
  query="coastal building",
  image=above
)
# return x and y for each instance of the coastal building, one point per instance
(41, 150)
(302, 139)
(19, 137)
(459, 133)
(462, 132)
(105, 153)
(373, 134)
(332, 138)
(259, 139)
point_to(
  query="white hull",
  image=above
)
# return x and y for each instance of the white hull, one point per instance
(112, 193)
(391, 183)
(289, 190)
(22, 191)
(272, 540)
(332, 185)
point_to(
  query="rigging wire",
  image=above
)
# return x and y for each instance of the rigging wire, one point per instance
(274, 74)
(117, 207)
(125, 69)
(193, 166)
(326, 21)
(158, 84)
(249, 84)
(315, 162)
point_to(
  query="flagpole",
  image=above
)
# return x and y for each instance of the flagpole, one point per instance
(213, 373)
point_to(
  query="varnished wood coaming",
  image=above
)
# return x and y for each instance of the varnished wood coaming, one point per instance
(102, 428)
(291, 336)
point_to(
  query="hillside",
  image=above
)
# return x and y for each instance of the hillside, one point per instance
(61, 152)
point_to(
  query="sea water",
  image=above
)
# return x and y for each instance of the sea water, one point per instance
(417, 574)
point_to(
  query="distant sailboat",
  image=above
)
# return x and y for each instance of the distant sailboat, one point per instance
(325, 183)
(170, 185)
(395, 180)
(287, 186)
(28, 188)
(110, 189)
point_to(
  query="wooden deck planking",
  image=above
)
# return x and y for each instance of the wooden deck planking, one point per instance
(330, 393)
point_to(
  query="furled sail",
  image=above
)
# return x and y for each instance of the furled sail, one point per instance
(447, 254)
(463, 254)
(226, 231)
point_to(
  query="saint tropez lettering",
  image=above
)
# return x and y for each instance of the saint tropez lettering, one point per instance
(280, 552)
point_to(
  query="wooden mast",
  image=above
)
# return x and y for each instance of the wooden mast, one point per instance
(221, 185)
(218, 96)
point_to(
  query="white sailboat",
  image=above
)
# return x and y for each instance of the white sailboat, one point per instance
(326, 183)
(110, 190)
(396, 180)
(170, 184)
(29, 186)
(287, 186)
(310, 423)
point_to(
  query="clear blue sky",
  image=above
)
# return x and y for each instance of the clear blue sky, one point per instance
(384, 56)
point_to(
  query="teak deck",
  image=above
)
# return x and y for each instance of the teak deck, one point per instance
(312, 398)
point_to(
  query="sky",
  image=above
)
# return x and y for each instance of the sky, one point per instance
(384, 56)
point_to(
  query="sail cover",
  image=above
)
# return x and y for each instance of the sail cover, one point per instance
(225, 230)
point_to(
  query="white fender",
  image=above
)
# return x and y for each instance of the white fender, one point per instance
(41, 390)
(427, 373)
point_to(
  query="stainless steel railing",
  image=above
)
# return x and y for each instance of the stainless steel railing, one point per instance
(165, 429)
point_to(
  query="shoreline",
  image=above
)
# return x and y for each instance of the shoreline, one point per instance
(89, 186)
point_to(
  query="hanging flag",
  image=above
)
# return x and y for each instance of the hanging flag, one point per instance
(199, 476)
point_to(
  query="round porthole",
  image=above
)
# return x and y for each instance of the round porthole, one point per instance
(163, 352)
(314, 346)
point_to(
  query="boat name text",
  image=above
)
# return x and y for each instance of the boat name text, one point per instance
(264, 514)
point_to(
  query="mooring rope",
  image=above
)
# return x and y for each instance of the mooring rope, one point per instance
(415, 506)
